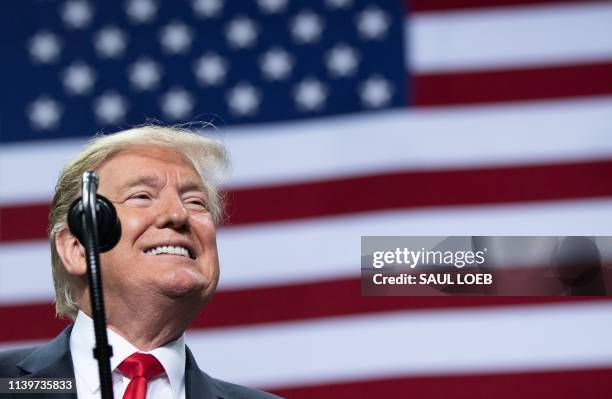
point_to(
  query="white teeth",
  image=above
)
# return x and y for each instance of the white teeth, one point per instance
(169, 249)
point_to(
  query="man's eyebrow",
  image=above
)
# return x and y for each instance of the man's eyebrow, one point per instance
(193, 185)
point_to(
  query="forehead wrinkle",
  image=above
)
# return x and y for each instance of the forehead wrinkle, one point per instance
(145, 180)
(188, 184)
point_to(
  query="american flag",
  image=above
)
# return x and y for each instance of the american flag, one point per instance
(344, 118)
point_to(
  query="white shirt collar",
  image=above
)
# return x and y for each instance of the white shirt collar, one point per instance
(82, 342)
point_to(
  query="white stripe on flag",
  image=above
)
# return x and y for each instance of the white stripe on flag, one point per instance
(548, 337)
(508, 37)
(514, 134)
(538, 337)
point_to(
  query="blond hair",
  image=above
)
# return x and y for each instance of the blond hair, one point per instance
(207, 157)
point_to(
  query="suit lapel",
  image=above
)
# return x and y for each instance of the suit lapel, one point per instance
(51, 360)
(198, 385)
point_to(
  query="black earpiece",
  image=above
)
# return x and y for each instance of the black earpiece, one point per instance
(109, 226)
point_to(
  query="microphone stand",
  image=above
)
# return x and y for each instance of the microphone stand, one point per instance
(103, 351)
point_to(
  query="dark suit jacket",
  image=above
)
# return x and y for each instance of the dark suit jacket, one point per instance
(53, 360)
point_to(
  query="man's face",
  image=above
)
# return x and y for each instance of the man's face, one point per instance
(168, 247)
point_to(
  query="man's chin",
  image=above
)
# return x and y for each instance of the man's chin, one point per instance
(184, 283)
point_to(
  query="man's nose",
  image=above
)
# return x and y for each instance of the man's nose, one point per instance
(172, 212)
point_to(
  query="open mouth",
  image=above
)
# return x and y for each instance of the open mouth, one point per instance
(170, 250)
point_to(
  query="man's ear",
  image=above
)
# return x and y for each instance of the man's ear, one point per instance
(71, 252)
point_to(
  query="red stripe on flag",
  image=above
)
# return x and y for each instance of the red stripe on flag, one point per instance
(301, 301)
(401, 190)
(340, 297)
(29, 322)
(421, 189)
(444, 5)
(486, 86)
(23, 222)
(566, 384)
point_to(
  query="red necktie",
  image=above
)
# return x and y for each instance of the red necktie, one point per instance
(140, 368)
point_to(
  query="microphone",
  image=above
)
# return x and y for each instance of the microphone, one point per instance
(92, 219)
(105, 217)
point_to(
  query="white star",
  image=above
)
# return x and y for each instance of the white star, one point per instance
(276, 64)
(342, 60)
(210, 69)
(176, 38)
(306, 27)
(110, 108)
(110, 42)
(141, 11)
(372, 23)
(76, 14)
(207, 8)
(44, 113)
(336, 4)
(375, 92)
(144, 74)
(177, 103)
(45, 47)
(243, 99)
(272, 6)
(78, 78)
(310, 94)
(241, 32)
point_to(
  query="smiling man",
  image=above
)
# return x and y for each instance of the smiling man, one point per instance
(157, 279)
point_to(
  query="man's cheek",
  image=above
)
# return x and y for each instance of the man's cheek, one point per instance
(204, 224)
(134, 222)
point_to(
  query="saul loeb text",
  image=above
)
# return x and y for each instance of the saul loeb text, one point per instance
(434, 279)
